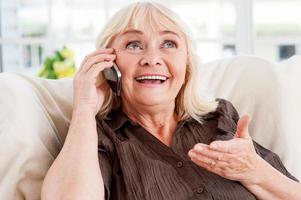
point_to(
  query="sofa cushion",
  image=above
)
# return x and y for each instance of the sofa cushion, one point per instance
(34, 119)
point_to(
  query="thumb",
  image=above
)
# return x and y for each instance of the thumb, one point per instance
(242, 130)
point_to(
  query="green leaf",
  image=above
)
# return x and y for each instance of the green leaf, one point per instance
(58, 56)
(51, 75)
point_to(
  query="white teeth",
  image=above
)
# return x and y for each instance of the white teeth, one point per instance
(163, 78)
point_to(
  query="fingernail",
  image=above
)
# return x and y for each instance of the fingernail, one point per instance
(192, 154)
(198, 148)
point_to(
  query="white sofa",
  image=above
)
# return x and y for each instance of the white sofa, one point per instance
(35, 115)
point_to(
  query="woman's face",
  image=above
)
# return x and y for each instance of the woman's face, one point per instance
(152, 64)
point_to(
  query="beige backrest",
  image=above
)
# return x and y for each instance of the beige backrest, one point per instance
(34, 118)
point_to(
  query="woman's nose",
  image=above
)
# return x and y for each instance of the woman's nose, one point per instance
(151, 58)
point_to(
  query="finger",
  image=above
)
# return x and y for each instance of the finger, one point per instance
(196, 156)
(97, 59)
(206, 151)
(97, 68)
(229, 146)
(210, 166)
(205, 159)
(98, 51)
(242, 127)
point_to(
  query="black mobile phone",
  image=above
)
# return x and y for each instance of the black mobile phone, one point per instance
(113, 76)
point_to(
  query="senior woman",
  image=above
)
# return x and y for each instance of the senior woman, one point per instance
(159, 139)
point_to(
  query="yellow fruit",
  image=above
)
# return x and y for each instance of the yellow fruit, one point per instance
(67, 53)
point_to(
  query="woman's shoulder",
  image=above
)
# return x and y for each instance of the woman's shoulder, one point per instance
(225, 109)
(225, 117)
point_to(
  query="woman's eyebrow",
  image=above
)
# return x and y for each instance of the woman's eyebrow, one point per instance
(135, 31)
(169, 32)
(132, 31)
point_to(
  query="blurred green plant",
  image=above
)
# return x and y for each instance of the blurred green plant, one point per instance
(60, 65)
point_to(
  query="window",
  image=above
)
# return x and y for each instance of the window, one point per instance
(229, 50)
(278, 33)
(286, 51)
(30, 30)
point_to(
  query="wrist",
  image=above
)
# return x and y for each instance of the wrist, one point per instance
(82, 119)
(272, 184)
(260, 174)
(83, 114)
(83, 110)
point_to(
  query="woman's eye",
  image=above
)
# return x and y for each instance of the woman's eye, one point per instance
(169, 44)
(133, 45)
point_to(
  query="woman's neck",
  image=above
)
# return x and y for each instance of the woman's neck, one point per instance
(160, 121)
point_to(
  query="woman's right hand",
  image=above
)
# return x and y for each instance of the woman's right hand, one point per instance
(89, 86)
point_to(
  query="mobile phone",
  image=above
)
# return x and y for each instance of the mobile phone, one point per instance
(113, 76)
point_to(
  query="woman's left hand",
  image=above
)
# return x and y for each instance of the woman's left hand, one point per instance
(234, 159)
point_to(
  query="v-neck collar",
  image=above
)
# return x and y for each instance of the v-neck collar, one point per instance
(117, 119)
(167, 152)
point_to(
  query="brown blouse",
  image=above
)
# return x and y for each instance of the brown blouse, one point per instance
(135, 165)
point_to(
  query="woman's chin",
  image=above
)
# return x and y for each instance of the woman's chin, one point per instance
(150, 100)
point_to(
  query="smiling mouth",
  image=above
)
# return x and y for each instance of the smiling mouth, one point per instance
(151, 79)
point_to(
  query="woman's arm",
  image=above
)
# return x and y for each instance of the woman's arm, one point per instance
(75, 173)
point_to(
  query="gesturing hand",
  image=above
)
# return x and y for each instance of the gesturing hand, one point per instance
(234, 159)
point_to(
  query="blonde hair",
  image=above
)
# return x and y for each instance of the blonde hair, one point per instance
(189, 102)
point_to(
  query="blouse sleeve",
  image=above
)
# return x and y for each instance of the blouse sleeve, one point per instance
(227, 122)
(105, 157)
(273, 159)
